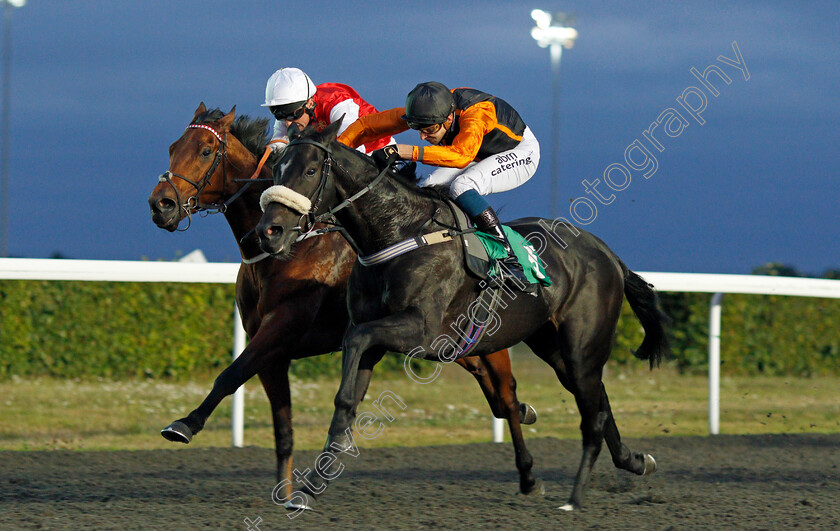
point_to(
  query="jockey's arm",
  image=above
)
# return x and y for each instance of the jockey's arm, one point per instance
(372, 127)
(279, 138)
(474, 122)
(348, 112)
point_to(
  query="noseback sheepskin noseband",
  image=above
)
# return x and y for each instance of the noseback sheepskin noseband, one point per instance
(285, 196)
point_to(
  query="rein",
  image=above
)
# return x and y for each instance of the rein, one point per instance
(325, 173)
(472, 334)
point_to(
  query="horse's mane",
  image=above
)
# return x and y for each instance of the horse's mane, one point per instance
(407, 174)
(253, 133)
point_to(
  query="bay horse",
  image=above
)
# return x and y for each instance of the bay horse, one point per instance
(406, 305)
(292, 308)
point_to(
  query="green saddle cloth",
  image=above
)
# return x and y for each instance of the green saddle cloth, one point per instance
(524, 251)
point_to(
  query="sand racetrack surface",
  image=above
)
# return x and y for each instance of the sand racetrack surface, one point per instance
(743, 482)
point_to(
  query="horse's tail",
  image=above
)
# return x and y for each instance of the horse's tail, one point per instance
(645, 304)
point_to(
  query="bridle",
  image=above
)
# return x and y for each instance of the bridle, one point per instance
(308, 220)
(193, 203)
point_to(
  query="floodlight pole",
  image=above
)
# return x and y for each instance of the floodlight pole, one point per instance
(556, 54)
(5, 111)
(554, 31)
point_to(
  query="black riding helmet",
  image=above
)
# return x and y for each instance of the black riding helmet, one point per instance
(428, 104)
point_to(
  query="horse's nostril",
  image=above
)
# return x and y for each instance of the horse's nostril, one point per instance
(274, 230)
(166, 205)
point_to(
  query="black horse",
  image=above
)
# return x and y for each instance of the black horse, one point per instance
(293, 308)
(407, 304)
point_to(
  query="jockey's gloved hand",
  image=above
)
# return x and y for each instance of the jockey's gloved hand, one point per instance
(278, 145)
(387, 155)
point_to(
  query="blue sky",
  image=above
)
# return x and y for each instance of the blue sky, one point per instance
(100, 90)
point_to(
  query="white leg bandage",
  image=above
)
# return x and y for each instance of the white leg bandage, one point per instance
(286, 196)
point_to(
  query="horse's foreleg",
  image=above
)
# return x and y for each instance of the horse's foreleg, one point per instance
(256, 356)
(275, 381)
(399, 332)
(364, 345)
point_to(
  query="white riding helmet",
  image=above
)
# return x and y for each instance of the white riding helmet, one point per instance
(288, 85)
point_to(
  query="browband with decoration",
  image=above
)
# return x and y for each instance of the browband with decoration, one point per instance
(200, 126)
(286, 196)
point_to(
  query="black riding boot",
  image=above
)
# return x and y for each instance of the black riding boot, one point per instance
(488, 222)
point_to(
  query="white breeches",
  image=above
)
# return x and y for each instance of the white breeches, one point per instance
(499, 173)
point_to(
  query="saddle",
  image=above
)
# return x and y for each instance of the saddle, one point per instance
(476, 260)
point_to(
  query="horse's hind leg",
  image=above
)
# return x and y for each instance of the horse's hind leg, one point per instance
(494, 375)
(587, 391)
(598, 423)
(641, 464)
(579, 367)
(275, 382)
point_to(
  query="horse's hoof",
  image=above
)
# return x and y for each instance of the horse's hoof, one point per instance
(538, 489)
(650, 465)
(527, 413)
(177, 432)
(567, 507)
(294, 505)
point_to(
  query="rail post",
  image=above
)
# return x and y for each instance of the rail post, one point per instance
(237, 416)
(714, 364)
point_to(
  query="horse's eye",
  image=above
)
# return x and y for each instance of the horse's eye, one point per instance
(311, 172)
(206, 152)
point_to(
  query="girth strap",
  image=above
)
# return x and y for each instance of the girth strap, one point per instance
(405, 246)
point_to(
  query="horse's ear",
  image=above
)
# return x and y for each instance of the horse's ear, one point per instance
(227, 119)
(201, 110)
(293, 131)
(331, 131)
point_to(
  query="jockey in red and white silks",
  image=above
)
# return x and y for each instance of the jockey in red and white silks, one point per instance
(292, 97)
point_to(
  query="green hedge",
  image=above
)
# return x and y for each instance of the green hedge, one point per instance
(760, 334)
(126, 330)
(129, 330)
(114, 330)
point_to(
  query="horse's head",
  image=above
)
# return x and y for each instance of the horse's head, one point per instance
(303, 189)
(195, 176)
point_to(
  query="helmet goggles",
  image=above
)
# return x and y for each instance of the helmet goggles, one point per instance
(424, 128)
(290, 112)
